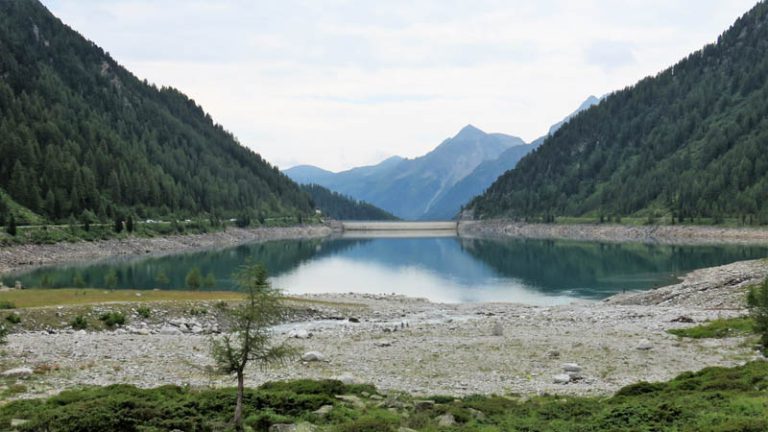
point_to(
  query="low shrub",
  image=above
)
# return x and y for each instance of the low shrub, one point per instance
(197, 311)
(79, 323)
(264, 419)
(13, 318)
(713, 399)
(379, 422)
(5, 305)
(112, 319)
(144, 312)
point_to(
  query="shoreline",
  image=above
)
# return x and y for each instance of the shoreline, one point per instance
(409, 344)
(611, 233)
(27, 257)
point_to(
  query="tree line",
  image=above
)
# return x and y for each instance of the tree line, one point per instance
(79, 133)
(343, 207)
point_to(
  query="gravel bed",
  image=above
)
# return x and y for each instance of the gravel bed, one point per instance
(407, 344)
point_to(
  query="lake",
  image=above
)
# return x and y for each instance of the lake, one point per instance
(440, 268)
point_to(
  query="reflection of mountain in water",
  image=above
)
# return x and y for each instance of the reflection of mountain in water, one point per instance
(594, 270)
(471, 269)
(278, 256)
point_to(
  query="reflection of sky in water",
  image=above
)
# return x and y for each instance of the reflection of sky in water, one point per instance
(445, 269)
(322, 276)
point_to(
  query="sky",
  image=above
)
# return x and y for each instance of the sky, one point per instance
(344, 83)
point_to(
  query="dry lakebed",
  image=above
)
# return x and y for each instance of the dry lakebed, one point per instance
(408, 344)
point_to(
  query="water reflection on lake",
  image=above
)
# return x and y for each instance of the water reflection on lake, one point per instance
(440, 268)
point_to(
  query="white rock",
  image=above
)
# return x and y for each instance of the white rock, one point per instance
(347, 379)
(561, 379)
(571, 367)
(644, 345)
(323, 410)
(313, 356)
(299, 334)
(446, 420)
(18, 372)
(169, 330)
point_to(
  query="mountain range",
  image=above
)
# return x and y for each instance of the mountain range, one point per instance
(436, 185)
(688, 143)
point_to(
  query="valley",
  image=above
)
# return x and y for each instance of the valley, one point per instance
(606, 273)
(436, 185)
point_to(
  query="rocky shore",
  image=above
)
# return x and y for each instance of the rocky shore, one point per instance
(23, 257)
(665, 234)
(413, 345)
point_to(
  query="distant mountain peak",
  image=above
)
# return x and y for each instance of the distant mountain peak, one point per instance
(469, 131)
(591, 100)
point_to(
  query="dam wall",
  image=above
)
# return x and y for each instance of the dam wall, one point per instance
(399, 226)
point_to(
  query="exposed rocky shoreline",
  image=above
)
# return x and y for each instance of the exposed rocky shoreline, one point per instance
(400, 343)
(408, 344)
(665, 234)
(23, 257)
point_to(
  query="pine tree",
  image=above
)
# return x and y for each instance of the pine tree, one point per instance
(251, 337)
(11, 228)
(194, 279)
(118, 227)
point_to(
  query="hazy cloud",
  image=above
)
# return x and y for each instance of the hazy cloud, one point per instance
(339, 83)
(610, 55)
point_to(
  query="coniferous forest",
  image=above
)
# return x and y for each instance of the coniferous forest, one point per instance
(342, 207)
(81, 134)
(687, 143)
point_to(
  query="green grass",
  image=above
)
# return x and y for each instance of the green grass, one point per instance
(87, 296)
(719, 328)
(76, 296)
(712, 400)
(22, 214)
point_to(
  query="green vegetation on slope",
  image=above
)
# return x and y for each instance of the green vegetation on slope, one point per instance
(342, 207)
(717, 329)
(756, 322)
(714, 399)
(688, 142)
(79, 133)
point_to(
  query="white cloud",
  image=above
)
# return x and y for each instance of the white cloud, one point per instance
(341, 83)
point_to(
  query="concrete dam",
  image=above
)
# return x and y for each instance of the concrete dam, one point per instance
(451, 226)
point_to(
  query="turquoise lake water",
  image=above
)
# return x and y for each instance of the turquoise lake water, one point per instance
(444, 269)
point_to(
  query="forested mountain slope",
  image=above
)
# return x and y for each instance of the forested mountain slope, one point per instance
(342, 207)
(689, 142)
(78, 132)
